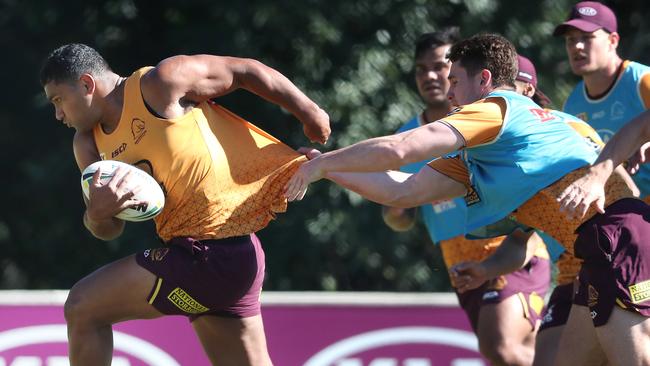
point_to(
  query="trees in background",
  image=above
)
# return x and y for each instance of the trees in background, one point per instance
(352, 57)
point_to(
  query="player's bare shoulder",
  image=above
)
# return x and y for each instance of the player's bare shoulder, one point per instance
(165, 85)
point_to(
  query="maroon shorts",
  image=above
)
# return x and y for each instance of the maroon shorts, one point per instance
(615, 247)
(558, 308)
(216, 277)
(530, 284)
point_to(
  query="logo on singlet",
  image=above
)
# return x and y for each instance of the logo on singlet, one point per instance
(617, 111)
(138, 130)
(472, 197)
(542, 115)
(120, 149)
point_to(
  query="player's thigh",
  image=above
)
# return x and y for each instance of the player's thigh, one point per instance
(578, 344)
(503, 322)
(115, 292)
(233, 341)
(546, 345)
(626, 338)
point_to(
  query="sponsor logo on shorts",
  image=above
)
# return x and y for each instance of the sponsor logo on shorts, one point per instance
(185, 302)
(146, 253)
(640, 292)
(138, 130)
(490, 295)
(593, 297)
(548, 317)
(158, 254)
(593, 314)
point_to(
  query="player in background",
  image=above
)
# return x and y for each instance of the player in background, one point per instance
(505, 311)
(516, 158)
(612, 90)
(223, 179)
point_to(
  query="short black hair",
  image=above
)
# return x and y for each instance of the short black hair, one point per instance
(487, 51)
(69, 62)
(427, 41)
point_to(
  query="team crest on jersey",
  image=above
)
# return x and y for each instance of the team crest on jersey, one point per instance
(138, 130)
(617, 111)
(472, 197)
(582, 116)
(640, 292)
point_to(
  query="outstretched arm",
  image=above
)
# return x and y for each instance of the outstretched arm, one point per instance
(177, 83)
(376, 155)
(581, 194)
(401, 190)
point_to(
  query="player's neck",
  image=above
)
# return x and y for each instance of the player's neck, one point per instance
(600, 82)
(434, 113)
(113, 102)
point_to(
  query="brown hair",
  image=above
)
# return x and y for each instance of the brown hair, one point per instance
(487, 51)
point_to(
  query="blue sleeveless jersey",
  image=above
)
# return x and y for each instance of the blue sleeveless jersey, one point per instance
(533, 149)
(447, 219)
(608, 114)
(443, 220)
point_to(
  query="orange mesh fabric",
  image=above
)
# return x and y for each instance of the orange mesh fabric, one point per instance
(222, 176)
(542, 212)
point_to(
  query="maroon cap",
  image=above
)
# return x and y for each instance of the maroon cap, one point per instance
(526, 71)
(528, 74)
(588, 16)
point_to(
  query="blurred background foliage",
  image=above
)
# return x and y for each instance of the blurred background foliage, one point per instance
(353, 57)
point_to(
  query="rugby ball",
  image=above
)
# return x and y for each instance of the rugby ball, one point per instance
(150, 191)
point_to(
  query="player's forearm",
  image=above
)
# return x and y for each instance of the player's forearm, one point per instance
(271, 85)
(514, 252)
(623, 145)
(104, 229)
(386, 188)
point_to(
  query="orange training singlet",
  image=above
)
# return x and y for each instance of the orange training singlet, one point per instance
(222, 176)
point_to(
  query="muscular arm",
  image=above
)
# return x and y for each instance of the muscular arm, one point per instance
(390, 152)
(378, 155)
(623, 145)
(85, 152)
(401, 190)
(178, 83)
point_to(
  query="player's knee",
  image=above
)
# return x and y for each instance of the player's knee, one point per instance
(501, 352)
(76, 307)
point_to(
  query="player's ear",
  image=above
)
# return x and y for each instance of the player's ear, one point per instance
(88, 83)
